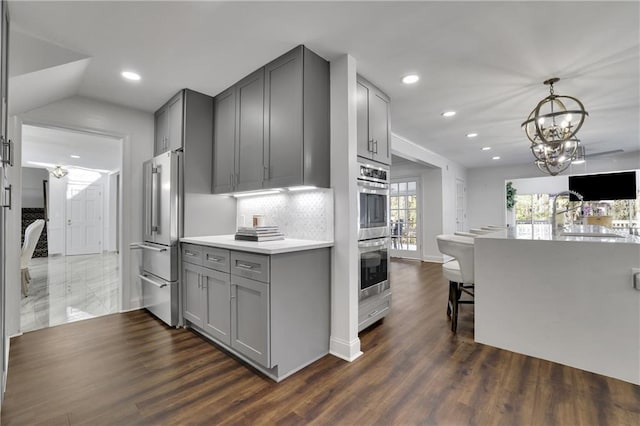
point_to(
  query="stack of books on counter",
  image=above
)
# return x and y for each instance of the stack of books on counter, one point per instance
(259, 233)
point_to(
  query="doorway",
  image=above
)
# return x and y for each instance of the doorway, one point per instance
(404, 200)
(77, 275)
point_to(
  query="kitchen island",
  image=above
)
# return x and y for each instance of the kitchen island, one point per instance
(268, 302)
(566, 297)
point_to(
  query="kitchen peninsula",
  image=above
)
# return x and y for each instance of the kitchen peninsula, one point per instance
(566, 297)
(266, 302)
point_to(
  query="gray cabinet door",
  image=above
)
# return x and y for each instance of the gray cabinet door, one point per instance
(250, 331)
(250, 132)
(364, 139)
(224, 137)
(283, 115)
(192, 293)
(379, 126)
(175, 119)
(161, 131)
(217, 318)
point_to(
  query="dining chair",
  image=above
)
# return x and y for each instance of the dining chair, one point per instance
(31, 237)
(459, 272)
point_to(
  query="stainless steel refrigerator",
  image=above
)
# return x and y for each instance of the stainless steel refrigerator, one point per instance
(162, 230)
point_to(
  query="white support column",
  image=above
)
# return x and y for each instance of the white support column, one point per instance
(344, 343)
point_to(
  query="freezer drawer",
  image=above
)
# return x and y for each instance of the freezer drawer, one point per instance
(161, 261)
(160, 298)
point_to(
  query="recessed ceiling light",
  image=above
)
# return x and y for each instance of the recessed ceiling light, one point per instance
(448, 113)
(410, 79)
(74, 156)
(130, 75)
(472, 135)
(496, 158)
(486, 148)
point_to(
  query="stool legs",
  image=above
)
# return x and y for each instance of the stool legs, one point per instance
(452, 304)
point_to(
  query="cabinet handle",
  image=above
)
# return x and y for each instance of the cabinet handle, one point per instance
(9, 190)
(231, 180)
(215, 259)
(370, 145)
(243, 265)
(373, 313)
(188, 253)
(375, 146)
(7, 151)
(265, 174)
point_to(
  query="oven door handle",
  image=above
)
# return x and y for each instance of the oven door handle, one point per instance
(374, 243)
(373, 185)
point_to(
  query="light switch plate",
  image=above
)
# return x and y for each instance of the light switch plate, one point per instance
(635, 278)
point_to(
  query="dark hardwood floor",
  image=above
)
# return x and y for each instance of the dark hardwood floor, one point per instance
(129, 369)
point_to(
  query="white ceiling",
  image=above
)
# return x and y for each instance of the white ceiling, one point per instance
(486, 60)
(44, 147)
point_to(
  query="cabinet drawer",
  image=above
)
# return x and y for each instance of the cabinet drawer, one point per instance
(192, 254)
(249, 265)
(372, 311)
(216, 258)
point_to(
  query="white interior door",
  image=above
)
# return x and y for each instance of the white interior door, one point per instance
(84, 219)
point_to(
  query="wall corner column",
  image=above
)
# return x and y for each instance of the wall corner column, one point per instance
(344, 341)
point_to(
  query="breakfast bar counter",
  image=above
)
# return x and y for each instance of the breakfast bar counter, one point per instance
(566, 297)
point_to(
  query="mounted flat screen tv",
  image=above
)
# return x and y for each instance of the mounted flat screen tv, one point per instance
(607, 186)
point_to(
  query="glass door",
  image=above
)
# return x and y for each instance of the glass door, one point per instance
(405, 226)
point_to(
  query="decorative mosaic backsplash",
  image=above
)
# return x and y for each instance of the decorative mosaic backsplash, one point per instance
(306, 215)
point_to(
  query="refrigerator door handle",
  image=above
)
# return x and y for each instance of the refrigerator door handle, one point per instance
(155, 174)
(134, 246)
(150, 281)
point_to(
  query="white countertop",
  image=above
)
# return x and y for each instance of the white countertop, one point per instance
(579, 233)
(265, 247)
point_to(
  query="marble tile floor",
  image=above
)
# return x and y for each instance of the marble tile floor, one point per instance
(65, 289)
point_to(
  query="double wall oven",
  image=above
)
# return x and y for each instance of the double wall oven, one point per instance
(373, 243)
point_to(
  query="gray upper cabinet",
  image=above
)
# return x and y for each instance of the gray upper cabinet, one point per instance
(175, 121)
(168, 126)
(185, 122)
(374, 130)
(297, 120)
(281, 133)
(161, 131)
(250, 131)
(224, 136)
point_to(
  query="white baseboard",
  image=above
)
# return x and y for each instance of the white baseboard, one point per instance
(349, 351)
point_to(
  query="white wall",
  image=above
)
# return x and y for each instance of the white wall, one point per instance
(431, 208)
(486, 187)
(111, 213)
(13, 293)
(136, 130)
(439, 187)
(32, 188)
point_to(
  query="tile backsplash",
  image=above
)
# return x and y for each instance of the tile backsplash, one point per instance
(306, 215)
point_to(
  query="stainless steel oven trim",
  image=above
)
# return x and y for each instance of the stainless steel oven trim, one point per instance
(376, 167)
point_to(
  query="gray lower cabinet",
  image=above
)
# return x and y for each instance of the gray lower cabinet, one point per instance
(373, 123)
(250, 319)
(206, 300)
(272, 311)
